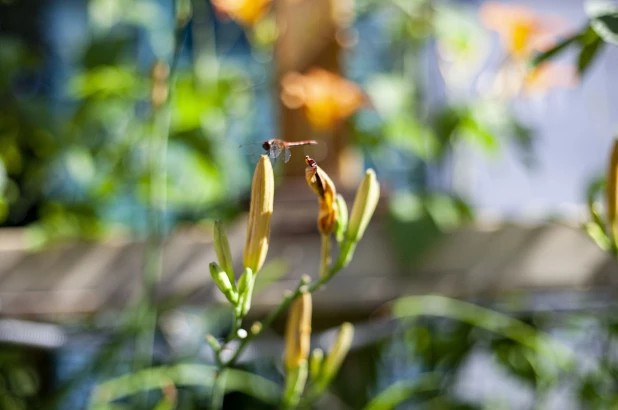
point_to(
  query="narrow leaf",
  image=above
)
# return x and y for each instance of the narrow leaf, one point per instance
(557, 49)
(587, 54)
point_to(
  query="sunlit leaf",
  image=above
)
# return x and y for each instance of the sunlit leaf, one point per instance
(603, 18)
(587, 54)
(104, 81)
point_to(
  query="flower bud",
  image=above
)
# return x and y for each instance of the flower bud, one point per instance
(342, 218)
(260, 212)
(223, 282)
(222, 249)
(298, 332)
(365, 204)
(214, 343)
(324, 188)
(612, 180)
(315, 363)
(245, 291)
(338, 352)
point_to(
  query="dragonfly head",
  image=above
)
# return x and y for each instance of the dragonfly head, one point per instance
(266, 145)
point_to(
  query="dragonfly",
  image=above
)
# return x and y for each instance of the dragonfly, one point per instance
(275, 147)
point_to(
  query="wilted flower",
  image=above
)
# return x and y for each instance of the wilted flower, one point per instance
(324, 188)
(245, 12)
(260, 213)
(325, 97)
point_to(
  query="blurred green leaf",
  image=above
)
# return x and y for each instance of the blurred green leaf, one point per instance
(402, 391)
(499, 323)
(271, 272)
(417, 221)
(591, 44)
(558, 48)
(105, 82)
(157, 378)
(598, 235)
(390, 95)
(406, 133)
(517, 359)
(603, 18)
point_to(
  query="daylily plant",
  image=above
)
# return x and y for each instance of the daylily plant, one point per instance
(332, 221)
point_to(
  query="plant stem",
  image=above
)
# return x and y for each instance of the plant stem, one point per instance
(285, 303)
(153, 266)
(325, 260)
(218, 389)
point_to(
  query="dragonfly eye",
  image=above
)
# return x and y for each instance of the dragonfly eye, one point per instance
(266, 146)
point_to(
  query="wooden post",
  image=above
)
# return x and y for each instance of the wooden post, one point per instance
(309, 38)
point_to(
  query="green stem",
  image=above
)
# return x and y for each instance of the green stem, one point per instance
(287, 301)
(236, 324)
(294, 385)
(218, 389)
(325, 260)
(345, 256)
(153, 266)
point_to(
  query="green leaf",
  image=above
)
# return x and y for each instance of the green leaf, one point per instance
(587, 54)
(596, 233)
(557, 49)
(603, 18)
(156, 378)
(493, 321)
(401, 391)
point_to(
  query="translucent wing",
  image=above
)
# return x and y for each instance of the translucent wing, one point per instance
(287, 154)
(275, 150)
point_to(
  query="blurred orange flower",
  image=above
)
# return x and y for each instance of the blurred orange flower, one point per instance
(245, 12)
(325, 97)
(520, 29)
(548, 75)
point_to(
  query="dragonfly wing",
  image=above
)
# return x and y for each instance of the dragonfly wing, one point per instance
(275, 151)
(287, 154)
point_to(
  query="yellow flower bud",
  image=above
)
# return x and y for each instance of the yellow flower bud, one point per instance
(260, 212)
(222, 249)
(365, 204)
(223, 282)
(298, 332)
(324, 188)
(612, 180)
